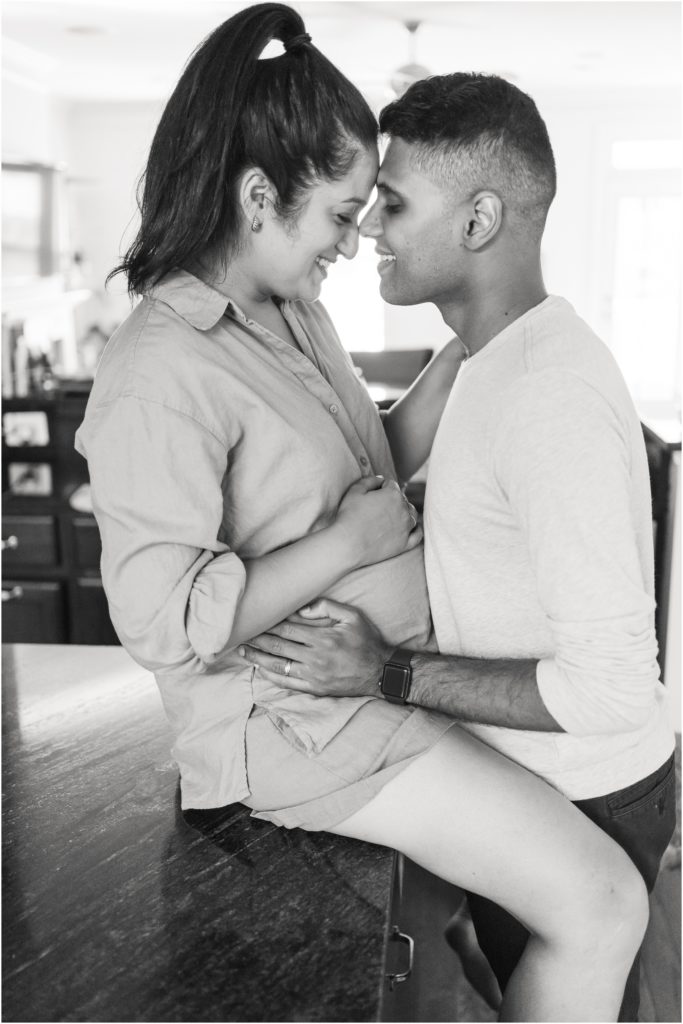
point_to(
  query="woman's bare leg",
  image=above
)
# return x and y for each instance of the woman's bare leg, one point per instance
(474, 818)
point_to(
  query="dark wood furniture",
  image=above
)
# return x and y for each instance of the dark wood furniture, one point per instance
(662, 441)
(51, 586)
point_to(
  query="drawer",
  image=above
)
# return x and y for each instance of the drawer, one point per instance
(90, 622)
(33, 612)
(87, 544)
(29, 540)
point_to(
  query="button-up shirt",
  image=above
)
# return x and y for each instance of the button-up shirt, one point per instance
(211, 441)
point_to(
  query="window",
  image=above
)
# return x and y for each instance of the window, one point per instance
(29, 247)
(641, 269)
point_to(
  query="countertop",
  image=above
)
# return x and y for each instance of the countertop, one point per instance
(119, 907)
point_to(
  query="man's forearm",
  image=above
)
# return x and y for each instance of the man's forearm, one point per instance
(493, 692)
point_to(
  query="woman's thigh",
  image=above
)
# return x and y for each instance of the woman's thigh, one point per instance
(473, 817)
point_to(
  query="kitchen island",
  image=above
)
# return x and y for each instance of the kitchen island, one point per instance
(118, 906)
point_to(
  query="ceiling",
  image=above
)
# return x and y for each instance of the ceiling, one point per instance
(135, 49)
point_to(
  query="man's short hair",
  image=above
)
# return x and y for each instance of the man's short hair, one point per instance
(477, 132)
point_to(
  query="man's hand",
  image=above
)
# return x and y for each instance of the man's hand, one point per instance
(331, 649)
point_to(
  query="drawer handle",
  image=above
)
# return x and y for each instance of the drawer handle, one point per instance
(11, 542)
(15, 594)
(398, 936)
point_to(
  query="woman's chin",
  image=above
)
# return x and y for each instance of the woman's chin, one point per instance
(308, 292)
(311, 293)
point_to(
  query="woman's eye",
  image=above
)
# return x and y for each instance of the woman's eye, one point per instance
(341, 219)
(392, 208)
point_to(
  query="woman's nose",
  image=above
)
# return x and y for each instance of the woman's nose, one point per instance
(348, 243)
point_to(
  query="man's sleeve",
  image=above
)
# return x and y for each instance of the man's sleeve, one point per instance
(563, 461)
(172, 584)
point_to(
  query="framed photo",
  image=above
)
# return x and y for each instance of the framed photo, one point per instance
(25, 429)
(30, 478)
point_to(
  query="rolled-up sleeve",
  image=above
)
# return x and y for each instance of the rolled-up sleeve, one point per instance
(173, 586)
(563, 460)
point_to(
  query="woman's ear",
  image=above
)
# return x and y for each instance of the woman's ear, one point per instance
(255, 192)
(484, 221)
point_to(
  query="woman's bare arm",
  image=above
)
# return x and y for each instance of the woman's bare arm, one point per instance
(411, 423)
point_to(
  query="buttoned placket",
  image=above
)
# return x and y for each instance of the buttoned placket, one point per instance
(305, 367)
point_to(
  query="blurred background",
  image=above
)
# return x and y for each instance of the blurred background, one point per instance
(83, 86)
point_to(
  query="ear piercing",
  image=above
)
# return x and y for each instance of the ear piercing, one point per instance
(257, 223)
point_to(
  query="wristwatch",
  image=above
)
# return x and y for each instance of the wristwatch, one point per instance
(397, 676)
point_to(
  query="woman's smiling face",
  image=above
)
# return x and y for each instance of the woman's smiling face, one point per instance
(294, 256)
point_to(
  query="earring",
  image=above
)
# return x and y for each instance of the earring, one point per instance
(256, 224)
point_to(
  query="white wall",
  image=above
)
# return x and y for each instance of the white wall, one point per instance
(107, 145)
(33, 122)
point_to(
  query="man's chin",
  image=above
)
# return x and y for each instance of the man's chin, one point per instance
(395, 296)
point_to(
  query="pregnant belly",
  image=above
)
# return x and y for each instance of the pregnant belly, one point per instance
(393, 595)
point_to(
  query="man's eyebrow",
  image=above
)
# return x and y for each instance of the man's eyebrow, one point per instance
(384, 188)
(354, 199)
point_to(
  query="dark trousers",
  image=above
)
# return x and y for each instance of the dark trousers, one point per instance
(641, 818)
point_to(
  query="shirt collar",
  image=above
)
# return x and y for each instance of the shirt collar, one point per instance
(198, 303)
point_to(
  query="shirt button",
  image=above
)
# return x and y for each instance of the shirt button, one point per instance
(364, 461)
(334, 409)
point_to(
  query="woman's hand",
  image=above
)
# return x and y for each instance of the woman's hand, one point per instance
(377, 520)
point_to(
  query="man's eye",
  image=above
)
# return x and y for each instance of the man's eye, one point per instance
(392, 207)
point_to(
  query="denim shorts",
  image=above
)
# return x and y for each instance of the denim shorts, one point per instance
(315, 791)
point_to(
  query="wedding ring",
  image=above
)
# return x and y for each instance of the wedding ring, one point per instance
(288, 667)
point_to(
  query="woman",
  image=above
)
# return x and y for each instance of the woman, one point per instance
(239, 470)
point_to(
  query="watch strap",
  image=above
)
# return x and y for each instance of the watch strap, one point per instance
(401, 656)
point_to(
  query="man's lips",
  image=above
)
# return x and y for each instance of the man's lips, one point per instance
(386, 260)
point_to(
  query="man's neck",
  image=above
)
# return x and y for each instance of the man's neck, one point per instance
(486, 312)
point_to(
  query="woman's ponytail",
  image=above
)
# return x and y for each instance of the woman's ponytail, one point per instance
(295, 116)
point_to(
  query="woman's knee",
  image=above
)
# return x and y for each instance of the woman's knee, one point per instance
(625, 900)
(615, 908)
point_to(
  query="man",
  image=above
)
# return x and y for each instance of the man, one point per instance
(538, 532)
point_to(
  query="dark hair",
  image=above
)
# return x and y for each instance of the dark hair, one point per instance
(480, 131)
(295, 116)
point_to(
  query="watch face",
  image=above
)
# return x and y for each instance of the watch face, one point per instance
(395, 680)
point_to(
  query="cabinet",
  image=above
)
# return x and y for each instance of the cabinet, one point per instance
(51, 586)
(435, 988)
(33, 612)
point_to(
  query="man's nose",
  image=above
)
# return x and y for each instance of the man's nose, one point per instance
(370, 226)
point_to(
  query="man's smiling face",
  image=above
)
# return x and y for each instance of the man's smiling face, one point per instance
(416, 225)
